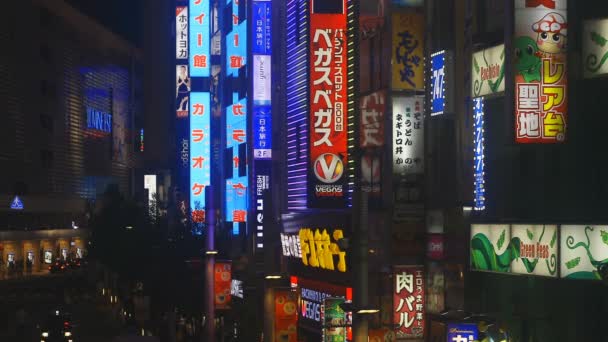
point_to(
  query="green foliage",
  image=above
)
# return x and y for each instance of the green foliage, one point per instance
(501, 240)
(573, 263)
(604, 236)
(553, 239)
(530, 234)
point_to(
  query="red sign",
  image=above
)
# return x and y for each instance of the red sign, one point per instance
(221, 285)
(372, 120)
(434, 248)
(328, 109)
(286, 316)
(409, 301)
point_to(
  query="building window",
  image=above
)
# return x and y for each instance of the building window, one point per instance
(46, 121)
(46, 158)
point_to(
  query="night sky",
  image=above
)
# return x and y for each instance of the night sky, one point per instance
(123, 17)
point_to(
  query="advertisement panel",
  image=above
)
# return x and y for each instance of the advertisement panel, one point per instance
(236, 40)
(261, 80)
(222, 284)
(479, 163)
(584, 248)
(490, 247)
(541, 99)
(595, 49)
(262, 27)
(312, 296)
(182, 91)
(408, 135)
(408, 50)
(537, 252)
(439, 73)
(370, 140)
(409, 302)
(328, 106)
(285, 316)
(520, 249)
(200, 39)
(181, 32)
(334, 320)
(200, 152)
(462, 332)
(489, 71)
(319, 249)
(262, 198)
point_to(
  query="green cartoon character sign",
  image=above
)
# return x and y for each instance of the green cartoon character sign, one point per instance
(527, 59)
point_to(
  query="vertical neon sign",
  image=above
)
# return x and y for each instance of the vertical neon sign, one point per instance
(237, 177)
(261, 25)
(479, 155)
(200, 110)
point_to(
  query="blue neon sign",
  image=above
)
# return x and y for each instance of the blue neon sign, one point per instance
(479, 155)
(438, 83)
(262, 132)
(262, 28)
(200, 45)
(462, 332)
(236, 42)
(200, 149)
(98, 120)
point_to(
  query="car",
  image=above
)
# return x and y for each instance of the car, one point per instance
(58, 266)
(57, 327)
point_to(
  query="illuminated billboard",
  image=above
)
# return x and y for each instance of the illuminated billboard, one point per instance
(407, 50)
(440, 73)
(541, 100)
(408, 135)
(584, 249)
(181, 32)
(409, 301)
(236, 40)
(595, 47)
(222, 282)
(328, 106)
(200, 153)
(479, 163)
(237, 182)
(488, 71)
(200, 45)
(182, 91)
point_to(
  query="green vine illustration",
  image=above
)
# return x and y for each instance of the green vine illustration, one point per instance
(484, 256)
(493, 85)
(592, 64)
(570, 264)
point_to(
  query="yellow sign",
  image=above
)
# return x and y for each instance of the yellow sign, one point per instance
(318, 250)
(407, 52)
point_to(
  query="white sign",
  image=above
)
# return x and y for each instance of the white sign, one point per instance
(537, 249)
(595, 47)
(291, 246)
(408, 135)
(236, 288)
(488, 71)
(261, 80)
(150, 185)
(181, 32)
(583, 249)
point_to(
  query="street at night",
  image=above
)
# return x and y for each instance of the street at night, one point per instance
(303, 171)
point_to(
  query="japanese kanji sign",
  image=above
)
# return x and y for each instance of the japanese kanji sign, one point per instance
(328, 109)
(479, 178)
(407, 51)
(541, 100)
(439, 74)
(409, 301)
(236, 39)
(595, 47)
(408, 135)
(262, 27)
(200, 153)
(200, 38)
(320, 249)
(372, 120)
(462, 332)
(181, 32)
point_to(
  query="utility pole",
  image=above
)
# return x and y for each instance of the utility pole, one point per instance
(209, 297)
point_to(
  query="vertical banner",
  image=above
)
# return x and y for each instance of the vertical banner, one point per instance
(236, 170)
(181, 32)
(200, 152)
(182, 91)
(439, 73)
(328, 105)
(221, 285)
(334, 320)
(407, 51)
(541, 76)
(200, 47)
(479, 175)
(285, 316)
(408, 135)
(409, 302)
(371, 141)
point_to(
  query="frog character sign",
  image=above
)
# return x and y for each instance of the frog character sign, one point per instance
(540, 42)
(584, 249)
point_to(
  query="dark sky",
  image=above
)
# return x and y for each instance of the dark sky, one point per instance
(123, 17)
